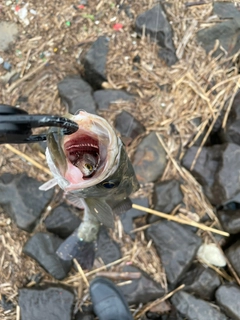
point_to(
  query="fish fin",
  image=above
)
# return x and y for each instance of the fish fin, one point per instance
(48, 185)
(101, 210)
(126, 140)
(82, 251)
(121, 207)
(75, 200)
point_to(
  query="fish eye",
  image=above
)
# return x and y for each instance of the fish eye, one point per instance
(89, 166)
(110, 184)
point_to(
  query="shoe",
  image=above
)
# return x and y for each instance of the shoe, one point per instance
(108, 301)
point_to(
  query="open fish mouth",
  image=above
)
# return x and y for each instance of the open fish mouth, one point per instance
(84, 153)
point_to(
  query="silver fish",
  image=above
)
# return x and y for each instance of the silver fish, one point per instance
(92, 167)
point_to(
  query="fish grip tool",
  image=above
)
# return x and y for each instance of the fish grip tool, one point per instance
(16, 125)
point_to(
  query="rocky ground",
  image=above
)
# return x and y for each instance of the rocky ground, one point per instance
(166, 76)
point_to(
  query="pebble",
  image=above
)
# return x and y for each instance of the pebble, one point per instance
(228, 298)
(211, 254)
(230, 220)
(233, 255)
(104, 98)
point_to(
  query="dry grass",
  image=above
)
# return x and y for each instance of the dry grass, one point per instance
(198, 86)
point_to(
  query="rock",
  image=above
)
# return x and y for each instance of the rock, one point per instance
(176, 245)
(201, 282)
(95, 62)
(6, 304)
(8, 34)
(155, 24)
(127, 217)
(232, 131)
(195, 309)
(82, 316)
(141, 290)
(212, 171)
(226, 33)
(22, 200)
(233, 255)
(51, 303)
(108, 249)
(42, 248)
(230, 220)
(62, 221)
(74, 248)
(7, 66)
(226, 10)
(211, 254)
(228, 298)
(128, 126)
(150, 159)
(104, 98)
(76, 94)
(166, 196)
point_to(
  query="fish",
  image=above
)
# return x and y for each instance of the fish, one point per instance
(93, 168)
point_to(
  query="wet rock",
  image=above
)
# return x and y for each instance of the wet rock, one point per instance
(74, 248)
(95, 62)
(104, 98)
(76, 95)
(22, 200)
(233, 255)
(42, 247)
(141, 290)
(62, 221)
(155, 24)
(128, 126)
(195, 309)
(8, 34)
(230, 220)
(166, 196)
(228, 298)
(226, 10)
(226, 33)
(176, 245)
(51, 303)
(127, 217)
(212, 171)
(150, 159)
(108, 249)
(201, 282)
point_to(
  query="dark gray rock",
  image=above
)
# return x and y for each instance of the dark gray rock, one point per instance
(46, 304)
(230, 220)
(76, 95)
(176, 245)
(62, 221)
(149, 159)
(233, 255)
(22, 199)
(82, 316)
(212, 171)
(166, 196)
(201, 282)
(158, 28)
(6, 304)
(226, 32)
(195, 309)
(228, 298)
(232, 131)
(128, 126)
(42, 247)
(95, 62)
(226, 10)
(104, 98)
(8, 34)
(141, 290)
(108, 249)
(127, 217)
